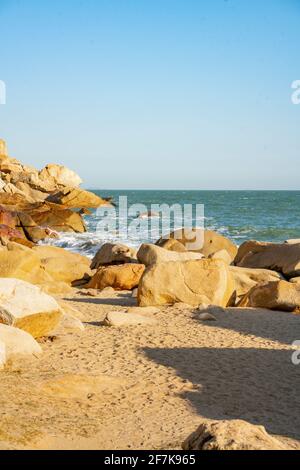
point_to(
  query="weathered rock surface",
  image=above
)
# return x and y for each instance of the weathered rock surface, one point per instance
(223, 255)
(284, 257)
(25, 306)
(277, 295)
(120, 277)
(17, 342)
(246, 278)
(59, 219)
(206, 242)
(62, 175)
(63, 265)
(113, 253)
(74, 198)
(231, 435)
(151, 254)
(191, 282)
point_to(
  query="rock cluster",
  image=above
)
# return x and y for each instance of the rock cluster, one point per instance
(35, 204)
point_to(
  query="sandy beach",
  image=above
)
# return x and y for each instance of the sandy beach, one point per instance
(150, 386)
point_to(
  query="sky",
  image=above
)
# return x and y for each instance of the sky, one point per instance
(154, 94)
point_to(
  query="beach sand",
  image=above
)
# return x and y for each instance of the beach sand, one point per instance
(150, 386)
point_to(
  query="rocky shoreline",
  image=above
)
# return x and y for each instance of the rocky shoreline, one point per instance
(54, 304)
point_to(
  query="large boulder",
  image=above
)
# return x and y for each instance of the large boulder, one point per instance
(276, 295)
(17, 342)
(25, 306)
(121, 277)
(113, 253)
(246, 278)
(63, 265)
(233, 434)
(150, 254)
(195, 282)
(206, 242)
(74, 198)
(61, 175)
(281, 257)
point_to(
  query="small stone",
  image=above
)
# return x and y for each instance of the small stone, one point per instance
(207, 317)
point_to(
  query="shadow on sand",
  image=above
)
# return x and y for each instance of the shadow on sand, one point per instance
(258, 385)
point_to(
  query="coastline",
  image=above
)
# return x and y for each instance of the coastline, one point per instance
(137, 348)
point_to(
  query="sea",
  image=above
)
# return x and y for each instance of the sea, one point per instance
(239, 215)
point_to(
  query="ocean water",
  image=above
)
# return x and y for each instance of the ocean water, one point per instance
(240, 215)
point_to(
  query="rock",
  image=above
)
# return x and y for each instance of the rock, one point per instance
(59, 219)
(61, 175)
(120, 277)
(67, 324)
(113, 253)
(206, 242)
(135, 292)
(183, 306)
(9, 233)
(143, 310)
(63, 265)
(192, 282)
(205, 316)
(8, 218)
(293, 241)
(17, 342)
(71, 311)
(172, 245)
(30, 193)
(151, 254)
(295, 280)
(246, 278)
(74, 198)
(89, 292)
(276, 295)
(126, 319)
(284, 257)
(3, 148)
(233, 434)
(25, 306)
(212, 309)
(107, 291)
(223, 255)
(31, 230)
(20, 262)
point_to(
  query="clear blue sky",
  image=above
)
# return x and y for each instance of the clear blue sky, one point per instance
(167, 94)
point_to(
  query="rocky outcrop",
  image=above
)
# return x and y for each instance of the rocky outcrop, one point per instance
(172, 245)
(233, 434)
(151, 254)
(206, 242)
(191, 282)
(25, 306)
(113, 253)
(44, 200)
(283, 258)
(278, 295)
(120, 277)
